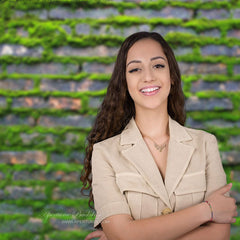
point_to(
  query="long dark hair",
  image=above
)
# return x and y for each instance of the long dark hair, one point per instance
(118, 107)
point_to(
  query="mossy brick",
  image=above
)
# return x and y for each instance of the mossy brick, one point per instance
(82, 28)
(213, 14)
(26, 157)
(50, 103)
(164, 30)
(38, 138)
(234, 141)
(229, 86)
(231, 157)
(73, 193)
(73, 157)
(20, 50)
(66, 28)
(12, 119)
(235, 175)
(16, 84)
(3, 102)
(40, 14)
(234, 33)
(66, 13)
(180, 51)
(99, 51)
(108, 30)
(236, 13)
(22, 32)
(196, 104)
(16, 192)
(44, 68)
(202, 68)
(71, 121)
(127, 31)
(70, 138)
(167, 12)
(215, 33)
(220, 123)
(95, 102)
(2, 176)
(218, 50)
(237, 69)
(97, 67)
(8, 208)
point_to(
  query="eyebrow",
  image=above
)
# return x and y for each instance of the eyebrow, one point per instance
(154, 58)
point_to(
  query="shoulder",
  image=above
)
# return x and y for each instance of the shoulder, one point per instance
(108, 143)
(198, 133)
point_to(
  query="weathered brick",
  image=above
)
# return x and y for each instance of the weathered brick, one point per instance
(196, 104)
(194, 123)
(167, 12)
(74, 157)
(3, 102)
(66, 28)
(33, 225)
(15, 192)
(64, 103)
(16, 120)
(97, 67)
(29, 102)
(164, 30)
(231, 157)
(107, 30)
(2, 176)
(62, 176)
(95, 102)
(28, 157)
(229, 86)
(127, 31)
(202, 68)
(217, 50)
(16, 84)
(40, 14)
(234, 33)
(74, 193)
(100, 51)
(83, 28)
(71, 138)
(20, 50)
(38, 138)
(6, 208)
(236, 69)
(221, 123)
(235, 175)
(44, 68)
(66, 13)
(183, 51)
(235, 141)
(236, 13)
(211, 33)
(72, 121)
(22, 32)
(213, 14)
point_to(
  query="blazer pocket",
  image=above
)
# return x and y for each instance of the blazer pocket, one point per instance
(136, 190)
(191, 190)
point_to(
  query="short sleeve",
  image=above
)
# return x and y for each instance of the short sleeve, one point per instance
(108, 200)
(215, 175)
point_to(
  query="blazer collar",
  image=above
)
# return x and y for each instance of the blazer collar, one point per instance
(179, 155)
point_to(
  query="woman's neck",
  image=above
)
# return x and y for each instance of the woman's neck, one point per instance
(153, 124)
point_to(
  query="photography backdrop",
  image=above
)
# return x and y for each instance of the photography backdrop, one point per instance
(56, 58)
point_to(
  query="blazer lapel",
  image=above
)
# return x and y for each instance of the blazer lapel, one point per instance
(179, 155)
(139, 155)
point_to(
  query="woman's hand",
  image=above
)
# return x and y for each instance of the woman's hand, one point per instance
(224, 208)
(96, 234)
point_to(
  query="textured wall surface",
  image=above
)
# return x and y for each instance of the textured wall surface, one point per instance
(56, 58)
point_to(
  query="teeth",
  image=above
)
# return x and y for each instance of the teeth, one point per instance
(149, 89)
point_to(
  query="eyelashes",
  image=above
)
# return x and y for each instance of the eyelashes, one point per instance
(157, 66)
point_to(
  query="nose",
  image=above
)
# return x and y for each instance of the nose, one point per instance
(148, 75)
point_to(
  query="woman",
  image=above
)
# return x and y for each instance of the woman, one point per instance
(150, 174)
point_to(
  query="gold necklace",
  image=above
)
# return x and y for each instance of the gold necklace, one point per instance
(157, 146)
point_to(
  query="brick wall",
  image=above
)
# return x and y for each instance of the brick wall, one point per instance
(55, 62)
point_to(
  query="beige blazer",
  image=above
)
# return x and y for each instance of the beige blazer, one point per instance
(126, 179)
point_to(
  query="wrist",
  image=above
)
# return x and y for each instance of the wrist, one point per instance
(206, 212)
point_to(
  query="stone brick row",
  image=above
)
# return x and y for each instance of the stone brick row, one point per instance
(72, 193)
(16, 84)
(13, 119)
(72, 86)
(196, 104)
(20, 50)
(49, 176)
(7, 208)
(234, 141)
(228, 86)
(27, 157)
(218, 50)
(73, 157)
(50, 103)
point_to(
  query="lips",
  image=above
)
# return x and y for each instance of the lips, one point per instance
(151, 90)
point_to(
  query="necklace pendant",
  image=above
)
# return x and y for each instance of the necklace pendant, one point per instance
(158, 147)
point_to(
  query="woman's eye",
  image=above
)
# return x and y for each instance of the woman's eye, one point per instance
(159, 66)
(134, 70)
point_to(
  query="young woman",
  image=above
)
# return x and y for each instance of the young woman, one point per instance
(151, 177)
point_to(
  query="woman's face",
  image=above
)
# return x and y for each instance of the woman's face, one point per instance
(148, 75)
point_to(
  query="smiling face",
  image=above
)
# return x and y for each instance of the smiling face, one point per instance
(147, 75)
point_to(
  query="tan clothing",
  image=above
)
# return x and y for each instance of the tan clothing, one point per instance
(126, 179)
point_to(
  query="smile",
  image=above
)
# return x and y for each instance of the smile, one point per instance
(149, 90)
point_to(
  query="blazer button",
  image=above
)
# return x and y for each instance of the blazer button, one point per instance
(166, 211)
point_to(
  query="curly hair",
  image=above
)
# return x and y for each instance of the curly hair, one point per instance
(118, 107)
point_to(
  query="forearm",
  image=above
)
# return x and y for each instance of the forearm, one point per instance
(210, 231)
(168, 227)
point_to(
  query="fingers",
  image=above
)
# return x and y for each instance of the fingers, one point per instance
(94, 234)
(225, 189)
